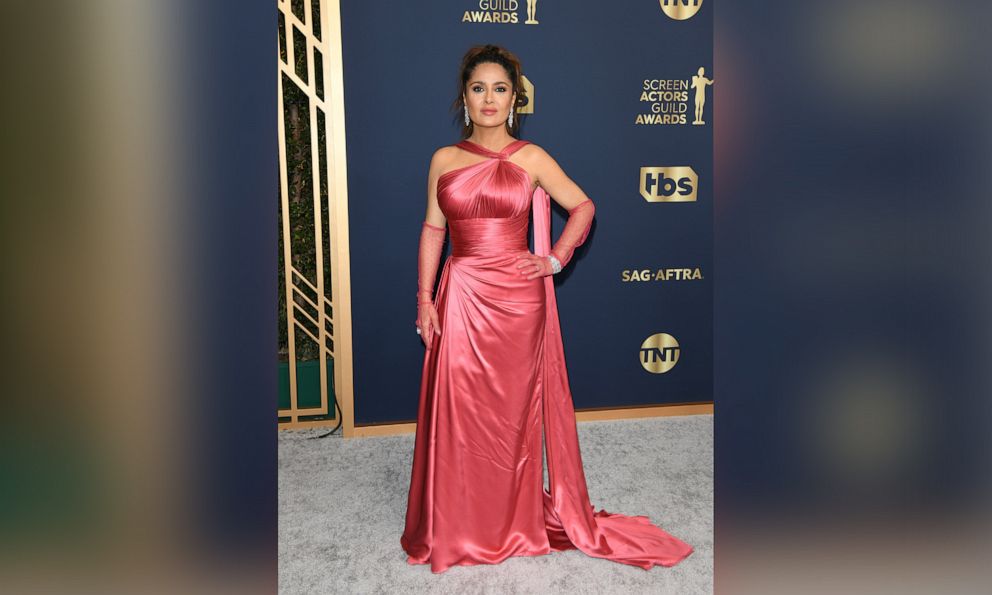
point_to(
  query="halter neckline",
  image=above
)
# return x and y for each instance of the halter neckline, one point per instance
(502, 153)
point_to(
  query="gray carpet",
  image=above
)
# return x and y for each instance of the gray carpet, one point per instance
(342, 505)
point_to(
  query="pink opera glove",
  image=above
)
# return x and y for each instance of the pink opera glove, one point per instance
(575, 232)
(431, 245)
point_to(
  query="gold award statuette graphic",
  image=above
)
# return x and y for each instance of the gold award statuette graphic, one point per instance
(531, 12)
(680, 10)
(699, 83)
(659, 353)
(669, 184)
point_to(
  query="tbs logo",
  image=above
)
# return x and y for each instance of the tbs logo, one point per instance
(669, 184)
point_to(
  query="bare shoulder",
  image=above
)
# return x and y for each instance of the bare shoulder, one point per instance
(442, 157)
(532, 151)
(534, 155)
(537, 161)
(445, 152)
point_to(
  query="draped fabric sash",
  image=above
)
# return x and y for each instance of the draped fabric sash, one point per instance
(569, 514)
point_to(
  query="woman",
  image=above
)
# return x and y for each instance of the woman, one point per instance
(494, 371)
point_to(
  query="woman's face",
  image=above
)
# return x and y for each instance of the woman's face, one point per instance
(489, 95)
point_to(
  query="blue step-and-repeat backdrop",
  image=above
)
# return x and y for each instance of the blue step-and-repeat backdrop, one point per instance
(622, 97)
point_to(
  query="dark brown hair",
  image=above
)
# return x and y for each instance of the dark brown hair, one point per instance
(495, 54)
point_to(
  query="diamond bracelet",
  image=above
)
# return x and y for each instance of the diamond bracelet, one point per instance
(555, 265)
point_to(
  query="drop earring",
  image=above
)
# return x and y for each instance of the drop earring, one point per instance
(467, 120)
(509, 121)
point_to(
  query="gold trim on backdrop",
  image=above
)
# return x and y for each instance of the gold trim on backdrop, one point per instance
(639, 412)
(329, 316)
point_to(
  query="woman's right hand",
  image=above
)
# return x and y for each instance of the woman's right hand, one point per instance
(427, 322)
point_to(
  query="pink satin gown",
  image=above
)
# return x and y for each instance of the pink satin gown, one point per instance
(491, 378)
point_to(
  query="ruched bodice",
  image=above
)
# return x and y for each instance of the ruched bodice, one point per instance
(486, 203)
(488, 235)
(493, 187)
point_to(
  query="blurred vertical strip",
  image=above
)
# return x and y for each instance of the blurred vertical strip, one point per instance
(852, 297)
(230, 81)
(139, 235)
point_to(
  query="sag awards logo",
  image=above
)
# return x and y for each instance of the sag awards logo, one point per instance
(669, 99)
(659, 353)
(670, 274)
(528, 107)
(680, 10)
(502, 12)
(669, 184)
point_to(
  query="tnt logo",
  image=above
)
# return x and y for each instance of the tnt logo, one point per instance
(659, 353)
(669, 184)
(680, 10)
